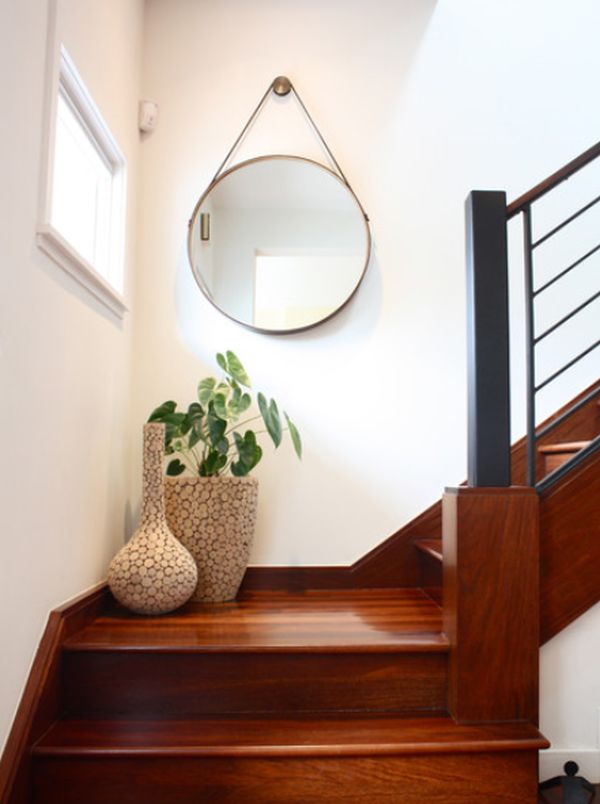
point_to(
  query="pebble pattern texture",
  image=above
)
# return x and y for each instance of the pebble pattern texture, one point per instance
(214, 517)
(153, 573)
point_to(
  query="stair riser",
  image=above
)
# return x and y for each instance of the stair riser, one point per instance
(431, 576)
(504, 778)
(161, 685)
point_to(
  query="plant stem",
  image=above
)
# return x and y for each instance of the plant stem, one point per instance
(241, 424)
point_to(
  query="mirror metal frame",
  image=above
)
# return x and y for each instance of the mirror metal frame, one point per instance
(239, 166)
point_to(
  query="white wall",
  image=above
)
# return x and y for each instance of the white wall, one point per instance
(64, 360)
(421, 102)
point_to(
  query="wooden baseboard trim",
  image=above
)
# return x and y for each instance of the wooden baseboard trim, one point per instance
(394, 562)
(38, 707)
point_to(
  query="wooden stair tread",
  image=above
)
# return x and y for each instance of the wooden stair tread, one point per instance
(431, 547)
(323, 735)
(394, 620)
(569, 446)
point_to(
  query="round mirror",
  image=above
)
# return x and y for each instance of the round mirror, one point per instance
(279, 243)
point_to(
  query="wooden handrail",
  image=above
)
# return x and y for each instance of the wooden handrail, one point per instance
(552, 181)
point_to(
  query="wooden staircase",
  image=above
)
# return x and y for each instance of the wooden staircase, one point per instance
(322, 696)
(322, 684)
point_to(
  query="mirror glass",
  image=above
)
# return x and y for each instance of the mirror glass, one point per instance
(279, 243)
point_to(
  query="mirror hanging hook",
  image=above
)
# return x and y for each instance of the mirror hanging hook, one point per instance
(282, 86)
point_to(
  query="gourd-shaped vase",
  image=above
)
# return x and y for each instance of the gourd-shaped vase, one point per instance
(153, 573)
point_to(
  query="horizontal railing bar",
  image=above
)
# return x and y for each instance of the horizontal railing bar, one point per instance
(567, 366)
(565, 318)
(568, 413)
(566, 270)
(566, 467)
(552, 181)
(566, 222)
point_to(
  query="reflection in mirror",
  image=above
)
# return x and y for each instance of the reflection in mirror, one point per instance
(279, 243)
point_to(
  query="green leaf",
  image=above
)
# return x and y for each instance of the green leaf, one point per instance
(295, 435)
(220, 406)
(222, 361)
(238, 403)
(271, 418)
(161, 411)
(195, 416)
(176, 419)
(236, 370)
(249, 454)
(195, 438)
(223, 446)
(212, 464)
(216, 426)
(206, 389)
(175, 467)
(262, 405)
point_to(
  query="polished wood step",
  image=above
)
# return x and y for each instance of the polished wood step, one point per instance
(304, 735)
(431, 565)
(557, 454)
(275, 759)
(356, 650)
(431, 547)
(388, 620)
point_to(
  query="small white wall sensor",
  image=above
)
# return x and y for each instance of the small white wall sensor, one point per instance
(147, 115)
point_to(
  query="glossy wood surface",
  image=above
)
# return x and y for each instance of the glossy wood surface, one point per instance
(491, 597)
(430, 559)
(342, 758)
(309, 735)
(502, 778)
(266, 652)
(583, 425)
(39, 704)
(183, 685)
(557, 454)
(375, 620)
(570, 547)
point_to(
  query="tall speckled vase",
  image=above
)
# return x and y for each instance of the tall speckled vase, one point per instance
(153, 573)
(214, 517)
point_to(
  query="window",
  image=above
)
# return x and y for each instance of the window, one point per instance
(83, 214)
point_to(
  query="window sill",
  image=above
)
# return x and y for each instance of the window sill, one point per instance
(57, 248)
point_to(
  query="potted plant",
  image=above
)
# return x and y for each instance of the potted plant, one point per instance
(210, 499)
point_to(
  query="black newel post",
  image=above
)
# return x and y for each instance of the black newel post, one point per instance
(488, 355)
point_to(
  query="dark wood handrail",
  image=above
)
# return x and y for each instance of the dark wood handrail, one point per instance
(552, 181)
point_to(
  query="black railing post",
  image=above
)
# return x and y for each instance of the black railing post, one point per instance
(529, 345)
(487, 340)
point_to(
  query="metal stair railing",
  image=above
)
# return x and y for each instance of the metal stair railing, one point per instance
(487, 310)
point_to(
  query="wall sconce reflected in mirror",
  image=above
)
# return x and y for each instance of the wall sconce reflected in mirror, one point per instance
(205, 226)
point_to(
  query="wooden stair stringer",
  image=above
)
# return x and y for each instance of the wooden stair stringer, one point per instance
(570, 547)
(394, 562)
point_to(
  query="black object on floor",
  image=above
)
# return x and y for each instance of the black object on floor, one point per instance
(574, 788)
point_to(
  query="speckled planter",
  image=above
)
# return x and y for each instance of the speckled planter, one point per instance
(214, 517)
(153, 573)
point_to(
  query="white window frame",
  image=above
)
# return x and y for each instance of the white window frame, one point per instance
(65, 79)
